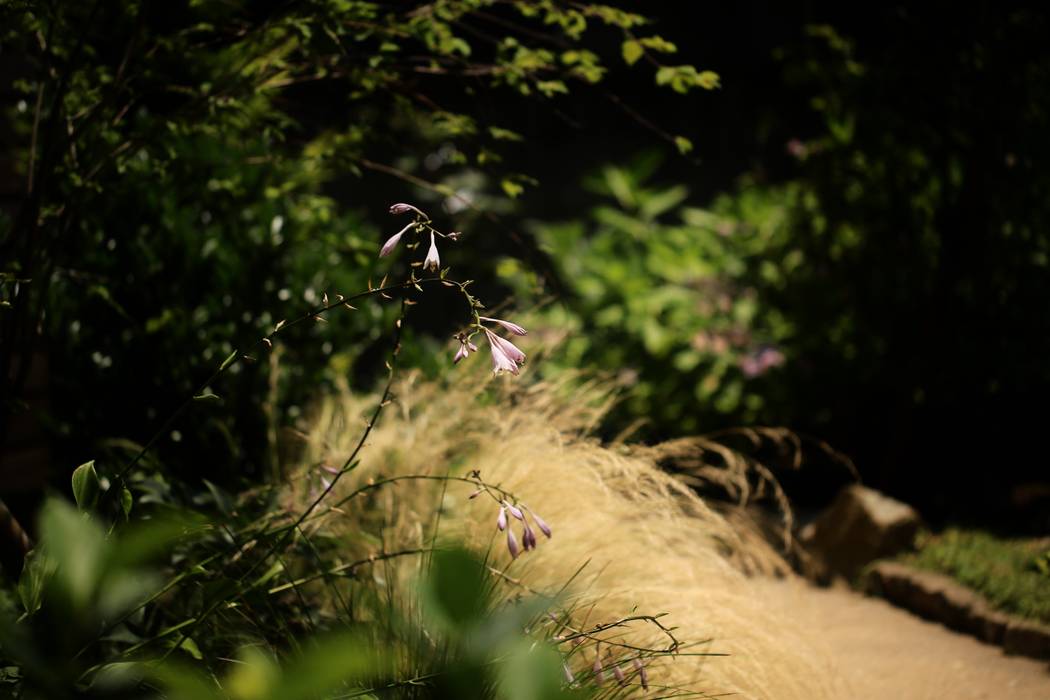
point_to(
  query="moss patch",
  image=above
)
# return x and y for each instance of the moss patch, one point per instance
(1013, 574)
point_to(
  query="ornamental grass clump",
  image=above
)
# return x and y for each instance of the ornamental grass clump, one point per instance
(649, 581)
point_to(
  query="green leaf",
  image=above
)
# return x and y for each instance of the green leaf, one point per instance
(228, 361)
(85, 485)
(632, 51)
(708, 80)
(684, 145)
(208, 396)
(126, 502)
(36, 571)
(512, 188)
(456, 590)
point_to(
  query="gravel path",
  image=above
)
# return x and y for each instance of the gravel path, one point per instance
(889, 654)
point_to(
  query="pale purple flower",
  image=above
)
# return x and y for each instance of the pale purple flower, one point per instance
(465, 348)
(392, 242)
(501, 521)
(599, 670)
(761, 361)
(505, 356)
(618, 672)
(643, 677)
(528, 537)
(512, 544)
(433, 261)
(501, 362)
(515, 511)
(512, 327)
(402, 208)
(543, 526)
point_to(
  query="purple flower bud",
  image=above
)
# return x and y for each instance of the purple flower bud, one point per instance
(528, 538)
(512, 544)
(330, 469)
(460, 354)
(643, 677)
(392, 242)
(512, 327)
(619, 675)
(433, 260)
(402, 208)
(501, 521)
(476, 494)
(541, 524)
(599, 670)
(516, 512)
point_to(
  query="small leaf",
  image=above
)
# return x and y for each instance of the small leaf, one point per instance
(85, 485)
(208, 396)
(228, 361)
(126, 502)
(708, 80)
(632, 51)
(684, 145)
(512, 188)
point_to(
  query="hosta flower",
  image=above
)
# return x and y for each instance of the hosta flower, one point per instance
(543, 526)
(599, 670)
(403, 208)
(392, 242)
(501, 521)
(515, 511)
(643, 677)
(528, 537)
(512, 327)
(512, 544)
(433, 260)
(505, 356)
(465, 348)
(618, 672)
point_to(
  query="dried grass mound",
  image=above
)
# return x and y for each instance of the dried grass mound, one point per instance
(649, 543)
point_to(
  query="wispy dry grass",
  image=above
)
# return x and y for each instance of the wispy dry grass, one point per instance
(649, 543)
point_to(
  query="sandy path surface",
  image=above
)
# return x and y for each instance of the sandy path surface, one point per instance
(889, 654)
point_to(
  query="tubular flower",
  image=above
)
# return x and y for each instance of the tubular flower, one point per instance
(392, 242)
(528, 537)
(540, 523)
(465, 348)
(501, 521)
(643, 677)
(512, 544)
(433, 260)
(515, 511)
(505, 356)
(512, 327)
(403, 208)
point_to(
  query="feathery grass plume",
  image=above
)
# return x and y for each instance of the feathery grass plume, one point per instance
(650, 544)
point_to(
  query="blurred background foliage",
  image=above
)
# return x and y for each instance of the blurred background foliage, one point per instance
(847, 237)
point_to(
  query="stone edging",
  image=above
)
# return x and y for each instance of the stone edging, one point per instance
(940, 598)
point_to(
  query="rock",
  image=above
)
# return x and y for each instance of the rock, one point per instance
(860, 526)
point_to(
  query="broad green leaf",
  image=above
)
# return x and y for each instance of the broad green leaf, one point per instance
(85, 485)
(36, 571)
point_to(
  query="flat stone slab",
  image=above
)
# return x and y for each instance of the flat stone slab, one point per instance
(940, 598)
